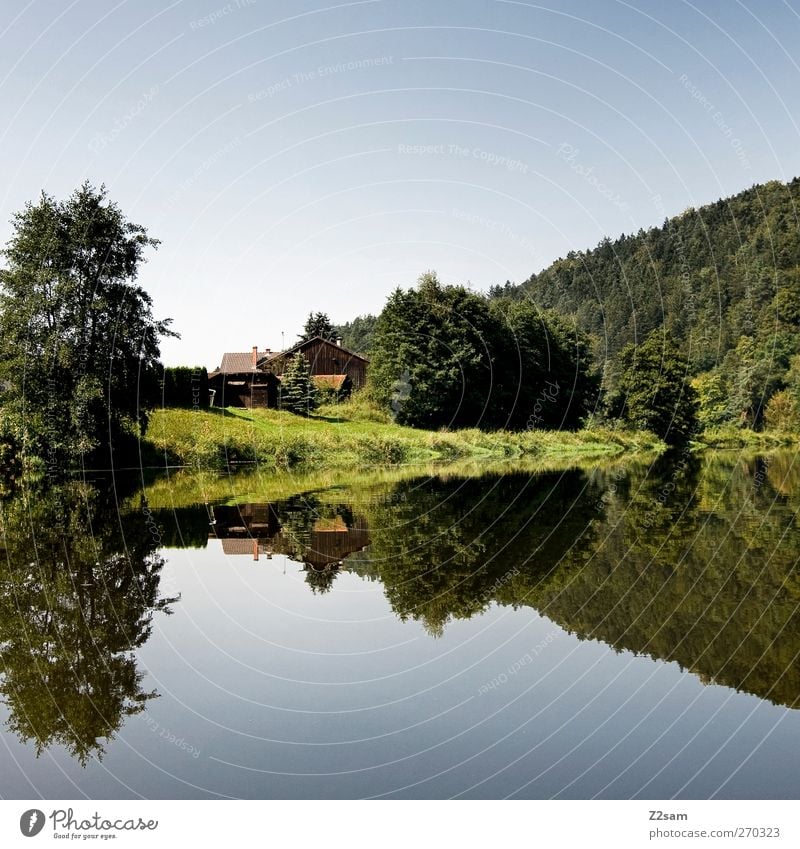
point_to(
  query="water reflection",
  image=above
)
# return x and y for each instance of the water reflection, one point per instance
(689, 560)
(78, 595)
(317, 535)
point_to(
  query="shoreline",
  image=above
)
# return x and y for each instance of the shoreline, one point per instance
(209, 440)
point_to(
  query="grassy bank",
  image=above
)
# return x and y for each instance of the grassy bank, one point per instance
(188, 486)
(733, 437)
(283, 442)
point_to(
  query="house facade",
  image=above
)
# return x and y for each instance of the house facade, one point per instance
(328, 360)
(239, 382)
(252, 379)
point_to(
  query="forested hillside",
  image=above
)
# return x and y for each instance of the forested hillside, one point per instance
(722, 280)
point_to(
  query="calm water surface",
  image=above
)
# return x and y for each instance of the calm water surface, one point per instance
(625, 630)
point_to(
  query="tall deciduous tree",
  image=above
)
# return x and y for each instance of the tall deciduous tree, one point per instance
(653, 390)
(79, 345)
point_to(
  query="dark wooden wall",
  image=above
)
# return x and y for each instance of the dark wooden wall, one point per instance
(329, 358)
(250, 390)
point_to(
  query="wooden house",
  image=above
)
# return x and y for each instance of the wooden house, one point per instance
(239, 382)
(329, 362)
(252, 379)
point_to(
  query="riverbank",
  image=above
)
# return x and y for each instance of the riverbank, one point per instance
(281, 441)
(735, 437)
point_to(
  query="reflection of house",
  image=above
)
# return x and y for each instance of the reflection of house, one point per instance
(253, 379)
(255, 530)
(332, 541)
(239, 382)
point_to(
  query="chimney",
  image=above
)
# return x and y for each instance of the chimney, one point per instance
(339, 341)
(255, 355)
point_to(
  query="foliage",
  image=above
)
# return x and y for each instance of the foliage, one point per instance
(782, 412)
(11, 449)
(653, 390)
(359, 406)
(327, 393)
(356, 335)
(545, 375)
(78, 598)
(299, 393)
(186, 386)
(443, 356)
(712, 399)
(723, 281)
(318, 324)
(79, 346)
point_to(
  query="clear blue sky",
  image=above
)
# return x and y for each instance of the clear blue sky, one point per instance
(297, 156)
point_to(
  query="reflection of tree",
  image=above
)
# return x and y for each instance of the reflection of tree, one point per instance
(299, 517)
(685, 561)
(76, 600)
(447, 549)
(321, 580)
(716, 589)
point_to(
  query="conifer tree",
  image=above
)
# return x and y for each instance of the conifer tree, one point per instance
(298, 392)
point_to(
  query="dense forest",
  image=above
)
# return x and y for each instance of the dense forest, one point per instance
(723, 281)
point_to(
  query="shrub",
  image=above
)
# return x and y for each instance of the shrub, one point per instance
(186, 386)
(782, 412)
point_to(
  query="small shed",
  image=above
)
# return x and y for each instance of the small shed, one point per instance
(239, 382)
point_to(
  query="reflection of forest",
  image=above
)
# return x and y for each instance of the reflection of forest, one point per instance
(688, 561)
(77, 597)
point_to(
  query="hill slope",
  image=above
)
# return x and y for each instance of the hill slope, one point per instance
(722, 280)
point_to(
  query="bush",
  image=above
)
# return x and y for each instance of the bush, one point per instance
(381, 450)
(10, 457)
(185, 386)
(782, 412)
(361, 406)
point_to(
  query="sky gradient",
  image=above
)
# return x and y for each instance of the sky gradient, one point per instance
(298, 156)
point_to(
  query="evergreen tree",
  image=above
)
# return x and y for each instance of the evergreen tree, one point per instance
(723, 281)
(443, 356)
(318, 324)
(298, 392)
(356, 335)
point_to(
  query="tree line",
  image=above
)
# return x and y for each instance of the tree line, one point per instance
(721, 281)
(689, 325)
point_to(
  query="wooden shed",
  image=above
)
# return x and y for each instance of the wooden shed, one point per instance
(327, 360)
(239, 382)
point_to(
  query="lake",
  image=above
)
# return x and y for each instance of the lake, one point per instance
(626, 629)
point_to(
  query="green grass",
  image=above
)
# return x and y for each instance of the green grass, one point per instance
(735, 437)
(187, 486)
(344, 440)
